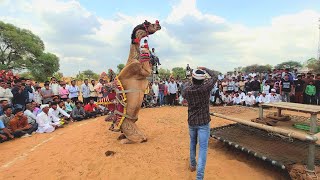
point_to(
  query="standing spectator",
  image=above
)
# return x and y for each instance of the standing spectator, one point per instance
(19, 125)
(310, 92)
(5, 92)
(93, 93)
(47, 94)
(54, 86)
(225, 84)
(19, 98)
(155, 88)
(45, 120)
(286, 88)
(73, 91)
(85, 90)
(29, 90)
(255, 86)
(247, 86)
(63, 92)
(317, 85)
(166, 92)
(266, 88)
(161, 93)
(172, 91)
(299, 84)
(98, 89)
(37, 97)
(236, 85)
(197, 95)
(78, 112)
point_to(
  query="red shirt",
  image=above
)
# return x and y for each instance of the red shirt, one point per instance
(90, 107)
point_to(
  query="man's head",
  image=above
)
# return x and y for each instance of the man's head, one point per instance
(198, 76)
(286, 77)
(7, 110)
(93, 81)
(18, 112)
(299, 77)
(311, 82)
(153, 49)
(86, 81)
(61, 104)
(91, 101)
(73, 82)
(79, 104)
(2, 83)
(54, 105)
(68, 100)
(4, 103)
(172, 80)
(28, 82)
(45, 108)
(273, 91)
(56, 99)
(256, 78)
(46, 86)
(101, 81)
(29, 106)
(145, 41)
(249, 94)
(263, 94)
(53, 80)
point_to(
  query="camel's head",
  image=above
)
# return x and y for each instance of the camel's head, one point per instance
(144, 30)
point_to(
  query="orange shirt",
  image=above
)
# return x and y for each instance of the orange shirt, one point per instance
(16, 123)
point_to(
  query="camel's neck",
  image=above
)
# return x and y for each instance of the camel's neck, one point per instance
(134, 53)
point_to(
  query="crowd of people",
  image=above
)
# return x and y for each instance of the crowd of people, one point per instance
(27, 108)
(248, 89)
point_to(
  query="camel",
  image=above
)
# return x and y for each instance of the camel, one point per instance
(130, 85)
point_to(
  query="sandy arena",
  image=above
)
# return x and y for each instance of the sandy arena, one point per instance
(78, 152)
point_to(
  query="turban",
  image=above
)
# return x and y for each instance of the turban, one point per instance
(44, 106)
(198, 76)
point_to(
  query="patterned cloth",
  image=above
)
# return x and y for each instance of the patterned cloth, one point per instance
(198, 97)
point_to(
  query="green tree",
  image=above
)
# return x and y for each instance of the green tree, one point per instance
(87, 74)
(44, 66)
(27, 75)
(120, 67)
(18, 47)
(313, 64)
(289, 64)
(178, 72)
(164, 73)
(58, 75)
(257, 68)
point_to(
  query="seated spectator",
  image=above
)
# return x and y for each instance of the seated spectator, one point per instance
(29, 114)
(274, 97)
(47, 122)
(242, 95)
(226, 98)
(258, 98)
(69, 106)
(7, 116)
(264, 98)
(250, 100)
(5, 133)
(55, 110)
(237, 100)
(3, 103)
(78, 112)
(36, 108)
(19, 125)
(91, 109)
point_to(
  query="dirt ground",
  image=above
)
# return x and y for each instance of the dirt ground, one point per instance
(78, 152)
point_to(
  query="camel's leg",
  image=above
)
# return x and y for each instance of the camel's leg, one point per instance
(132, 132)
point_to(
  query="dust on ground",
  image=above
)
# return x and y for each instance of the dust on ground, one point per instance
(78, 152)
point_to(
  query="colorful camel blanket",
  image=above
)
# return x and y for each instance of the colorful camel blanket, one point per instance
(116, 103)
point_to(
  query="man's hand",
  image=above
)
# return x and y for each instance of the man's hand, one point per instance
(28, 127)
(3, 137)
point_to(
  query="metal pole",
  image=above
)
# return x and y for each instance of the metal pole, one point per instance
(312, 149)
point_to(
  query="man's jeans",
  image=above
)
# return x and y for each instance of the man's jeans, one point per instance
(202, 133)
(285, 96)
(161, 100)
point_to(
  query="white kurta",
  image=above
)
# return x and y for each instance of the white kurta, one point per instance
(155, 88)
(45, 123)
(58, 111)
(250, 100)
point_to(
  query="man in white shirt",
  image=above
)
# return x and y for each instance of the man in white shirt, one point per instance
(85, 90)
(155, 88)
(46, 121)
(29, 113)
(5, 92)
(274, 97)
(266, 88)
(55, 110)
(237, 100)
(54, 86)
(263, 99)
(172, 89)
(250, 100)
(242, 95)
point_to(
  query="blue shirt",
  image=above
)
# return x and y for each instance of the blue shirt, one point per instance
(73, 91)
(2, 125)
(85, 90)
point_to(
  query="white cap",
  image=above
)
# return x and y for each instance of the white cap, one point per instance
(273, 90)
(198, 76)
(44, 106)
(249, 92)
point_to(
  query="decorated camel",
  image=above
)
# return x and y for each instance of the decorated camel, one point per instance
(129, 87)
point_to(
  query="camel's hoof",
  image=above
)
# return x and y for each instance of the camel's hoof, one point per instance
(125, 141)
(122, 136)
(145, 140)
(109, 153)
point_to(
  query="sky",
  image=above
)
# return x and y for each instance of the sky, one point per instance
(221, 35)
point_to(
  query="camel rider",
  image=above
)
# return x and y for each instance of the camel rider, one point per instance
(155, 57)
(188, 71)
